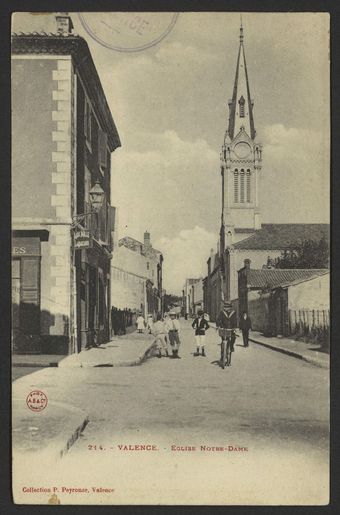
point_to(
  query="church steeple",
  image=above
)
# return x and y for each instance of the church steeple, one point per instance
(241, 161)
(241, 104)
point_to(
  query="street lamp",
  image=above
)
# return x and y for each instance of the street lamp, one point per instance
(96, 201)
(96, 196)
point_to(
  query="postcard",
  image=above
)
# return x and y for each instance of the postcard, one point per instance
(170, 258)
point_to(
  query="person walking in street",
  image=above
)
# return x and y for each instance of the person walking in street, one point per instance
(140, 323)
(149, 323)
(159, 332)
(114, 320)
(200, 325)
(166, 320)
(121, 322)
(174, 332)
(245, 327)
(227, 319)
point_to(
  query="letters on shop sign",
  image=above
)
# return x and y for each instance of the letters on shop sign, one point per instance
(19, 250)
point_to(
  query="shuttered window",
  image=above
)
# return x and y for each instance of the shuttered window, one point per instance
(102, 148)
(87, 122)
(111, 224)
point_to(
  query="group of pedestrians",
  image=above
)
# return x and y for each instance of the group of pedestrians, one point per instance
(167, 335)
(166, 331)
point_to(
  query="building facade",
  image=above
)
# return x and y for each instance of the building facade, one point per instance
(63, 137)
(189, 294)
(128, 279)
(136, 270)
(280, 300)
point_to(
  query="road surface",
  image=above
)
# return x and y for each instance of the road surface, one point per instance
(272, 407)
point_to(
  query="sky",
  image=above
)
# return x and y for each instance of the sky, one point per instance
(170, 106)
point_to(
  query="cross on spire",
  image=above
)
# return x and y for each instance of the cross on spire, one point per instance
(241, 29)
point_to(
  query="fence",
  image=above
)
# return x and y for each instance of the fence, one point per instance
(308, 319)
(310, 325)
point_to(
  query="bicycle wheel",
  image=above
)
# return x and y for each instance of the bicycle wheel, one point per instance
(223, 353)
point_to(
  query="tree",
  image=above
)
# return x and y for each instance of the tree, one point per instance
(308, 254)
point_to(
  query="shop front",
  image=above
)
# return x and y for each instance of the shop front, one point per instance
(26, 292)
(93, 294)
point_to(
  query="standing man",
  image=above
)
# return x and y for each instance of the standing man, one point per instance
(174, 330)
(227, 319)
(245, 326)
(114, 314)
(200, 325)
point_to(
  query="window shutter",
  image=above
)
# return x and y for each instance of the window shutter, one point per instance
(111, 224)
(102, 219)
(102, 148)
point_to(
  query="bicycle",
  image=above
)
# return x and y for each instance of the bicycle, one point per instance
(227, 339)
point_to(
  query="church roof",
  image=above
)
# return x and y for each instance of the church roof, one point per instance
(275, 277)
(283, 236)
(241, 94)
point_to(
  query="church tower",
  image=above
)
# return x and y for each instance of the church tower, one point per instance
(241, 160)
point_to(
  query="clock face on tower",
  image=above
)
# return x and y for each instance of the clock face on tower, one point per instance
(242, 150)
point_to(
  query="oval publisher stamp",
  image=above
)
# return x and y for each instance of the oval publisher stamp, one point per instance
(128, 31)
(36, 400)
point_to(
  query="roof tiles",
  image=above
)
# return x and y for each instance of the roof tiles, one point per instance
(283, 236)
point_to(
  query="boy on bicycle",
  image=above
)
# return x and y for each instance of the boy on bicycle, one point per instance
(227, 319)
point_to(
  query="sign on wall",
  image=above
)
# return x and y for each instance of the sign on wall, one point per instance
(82, 239)
(26, 246)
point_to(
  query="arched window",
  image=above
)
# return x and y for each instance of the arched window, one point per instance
(241, 103)
(236, 186)
(242, 186)
(248, 186)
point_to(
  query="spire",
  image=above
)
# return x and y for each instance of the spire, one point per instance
(241, 29)
(241, 106)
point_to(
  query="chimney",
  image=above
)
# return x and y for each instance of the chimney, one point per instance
(64, 24)
(147, 241)
(247, 263)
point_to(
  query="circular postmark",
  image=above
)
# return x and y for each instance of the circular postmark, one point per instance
(36, 400)
(128, 31)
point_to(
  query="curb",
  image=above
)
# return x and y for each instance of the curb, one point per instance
(35, 365)
(292, 354)
(133, 363)
(74, 437)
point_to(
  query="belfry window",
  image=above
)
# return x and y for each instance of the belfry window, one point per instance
(242, 186)
(241, 103)
(248, 186)
(236, 186)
